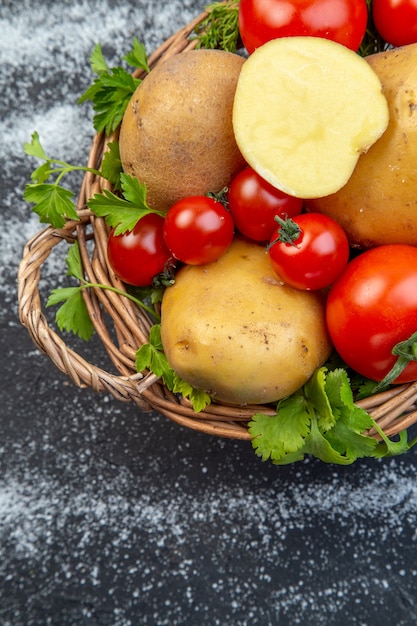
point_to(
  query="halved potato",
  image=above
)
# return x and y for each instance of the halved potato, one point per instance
(305, 109)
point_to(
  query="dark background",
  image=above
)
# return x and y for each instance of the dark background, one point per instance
(113, 517)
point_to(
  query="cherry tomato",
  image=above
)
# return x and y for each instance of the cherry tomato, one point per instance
(253, 203)
(396, 20)
(139, 255)
(373, 306)
(198, 230)
(315, 255)
(343, 21)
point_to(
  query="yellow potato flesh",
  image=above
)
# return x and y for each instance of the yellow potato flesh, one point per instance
(233, 329)
(378, 205)
(305, 108)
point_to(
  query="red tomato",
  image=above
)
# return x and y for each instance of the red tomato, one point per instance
(372, 307)
(139, 255)
(318, 253)
(343, 21)
(253, 203)
(396, 20)
(198, 230)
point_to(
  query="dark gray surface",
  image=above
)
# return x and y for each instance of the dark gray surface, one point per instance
(112, 517)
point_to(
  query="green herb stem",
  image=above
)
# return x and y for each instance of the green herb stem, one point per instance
(120, 292)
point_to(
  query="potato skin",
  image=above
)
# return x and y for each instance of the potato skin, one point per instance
(378, 205)
(233, 329)
(176, 135)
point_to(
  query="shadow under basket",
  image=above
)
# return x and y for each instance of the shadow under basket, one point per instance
(123, 327)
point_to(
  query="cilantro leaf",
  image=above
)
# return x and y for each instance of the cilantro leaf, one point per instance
(276, 436)
(315, 391)
(52, 203)
(122, 213)
(318, 446)
(320, 420)
(387, 447)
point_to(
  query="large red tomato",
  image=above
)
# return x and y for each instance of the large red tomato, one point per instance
(396, 20)
(343, 21)
(372, 307)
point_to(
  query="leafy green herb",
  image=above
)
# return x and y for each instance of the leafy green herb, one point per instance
(220, 28)
(111, 166)
(52, 202)
(321, 420)
(72, 316)
(122, 213)
(112, 89)
(152, 357)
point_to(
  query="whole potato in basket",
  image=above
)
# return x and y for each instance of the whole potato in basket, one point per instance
(233, 329)
(177, 135)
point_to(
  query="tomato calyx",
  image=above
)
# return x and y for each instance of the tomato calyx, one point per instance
(289, 232)
(166, 278)
(406, 351)
(220, 196)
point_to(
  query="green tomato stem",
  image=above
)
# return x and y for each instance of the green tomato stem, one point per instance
(406, 351)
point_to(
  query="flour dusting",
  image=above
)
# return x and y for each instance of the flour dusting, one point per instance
(111, 517)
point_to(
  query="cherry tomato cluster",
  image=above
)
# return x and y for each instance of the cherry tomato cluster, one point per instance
(199, 229)
(343, 21)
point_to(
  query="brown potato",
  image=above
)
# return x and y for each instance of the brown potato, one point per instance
(233, 329)
(378, 205)
(176, 135)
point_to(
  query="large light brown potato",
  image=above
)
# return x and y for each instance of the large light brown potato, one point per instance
(176, 135)
(378, 205)
(231, 328)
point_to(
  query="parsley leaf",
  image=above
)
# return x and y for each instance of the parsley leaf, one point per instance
(151, 356)
(111, 91)
(320, 420)
(122, 213)
(72, 315)
(137, 56)
(111, 166)
(52, 203)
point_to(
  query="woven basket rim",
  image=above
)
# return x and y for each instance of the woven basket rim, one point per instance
(394, 410)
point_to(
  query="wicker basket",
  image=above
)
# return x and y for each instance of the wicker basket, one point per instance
(115, 316)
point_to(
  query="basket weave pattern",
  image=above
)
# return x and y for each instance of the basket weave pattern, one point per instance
(122, 327)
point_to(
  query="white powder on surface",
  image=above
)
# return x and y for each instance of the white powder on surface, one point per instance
(35, 512)
(110, 519)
